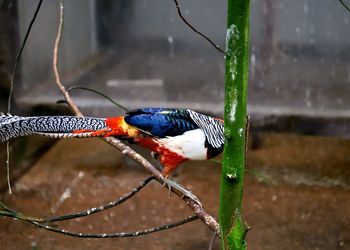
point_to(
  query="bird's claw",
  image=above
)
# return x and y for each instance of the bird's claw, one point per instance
(186, 193)
(167, 185)
(154, 155)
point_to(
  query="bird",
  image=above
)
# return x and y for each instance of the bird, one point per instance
(173, 135)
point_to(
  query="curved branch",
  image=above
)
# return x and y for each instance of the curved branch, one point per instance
(104, 207)
(116, 235)
(344, 5)
(11, 89)
(20, 53)
(8, 212)
(197, 208)
(99, 93)
(195, 30)
(55, 62)
(42, 223)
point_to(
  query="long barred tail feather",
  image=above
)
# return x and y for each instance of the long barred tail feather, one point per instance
(52, 126)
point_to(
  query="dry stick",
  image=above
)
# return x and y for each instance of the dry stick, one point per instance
(211, 243)
(99, 93)
(195, 30)
(55, 60)
(104, 207)
(8, 212)
(198, 209)
(41, 222)
(344, 5)
(20, 53)
(116, 235)
(8, 158)
(11, 90)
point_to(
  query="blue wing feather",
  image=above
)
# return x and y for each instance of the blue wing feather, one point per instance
(149, 111)
(161, 122)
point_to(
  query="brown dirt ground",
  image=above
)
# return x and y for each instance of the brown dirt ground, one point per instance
(303, 205)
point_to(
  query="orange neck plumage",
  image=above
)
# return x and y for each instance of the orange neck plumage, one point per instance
(119, 128)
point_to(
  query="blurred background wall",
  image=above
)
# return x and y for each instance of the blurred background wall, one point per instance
(142, 54)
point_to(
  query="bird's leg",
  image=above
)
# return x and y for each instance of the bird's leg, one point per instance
(166, 178)
(155, 157)
(173, 184)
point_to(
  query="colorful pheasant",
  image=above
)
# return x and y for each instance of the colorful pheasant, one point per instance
(173, 135)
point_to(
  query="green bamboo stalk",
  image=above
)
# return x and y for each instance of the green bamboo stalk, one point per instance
(233, 230)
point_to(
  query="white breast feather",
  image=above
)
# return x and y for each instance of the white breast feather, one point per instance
(189, 145)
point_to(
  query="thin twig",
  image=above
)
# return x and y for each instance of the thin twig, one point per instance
(55, 64)
(20, 53)
(217, 47)
(99, 93)
(104, 207)
(42, 222)
(344, 5)
(8, 212)
(212, 240)
(116, 235)
(8, 161)
(197, 208)
(11, 89)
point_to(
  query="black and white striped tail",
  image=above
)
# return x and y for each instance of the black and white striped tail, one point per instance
(52, 126)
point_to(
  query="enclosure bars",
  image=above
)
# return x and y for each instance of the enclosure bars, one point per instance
(233, 230)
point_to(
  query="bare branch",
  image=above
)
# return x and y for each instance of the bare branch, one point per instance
(20, 53)
(11, 89)
(42, 222)
(212, 240)
(104, 207)
(197, 208)
(344, 5)
(8, 212)
(195, 30)
(55, 63)
(99, 93)
(8, 156)
(116, 235)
